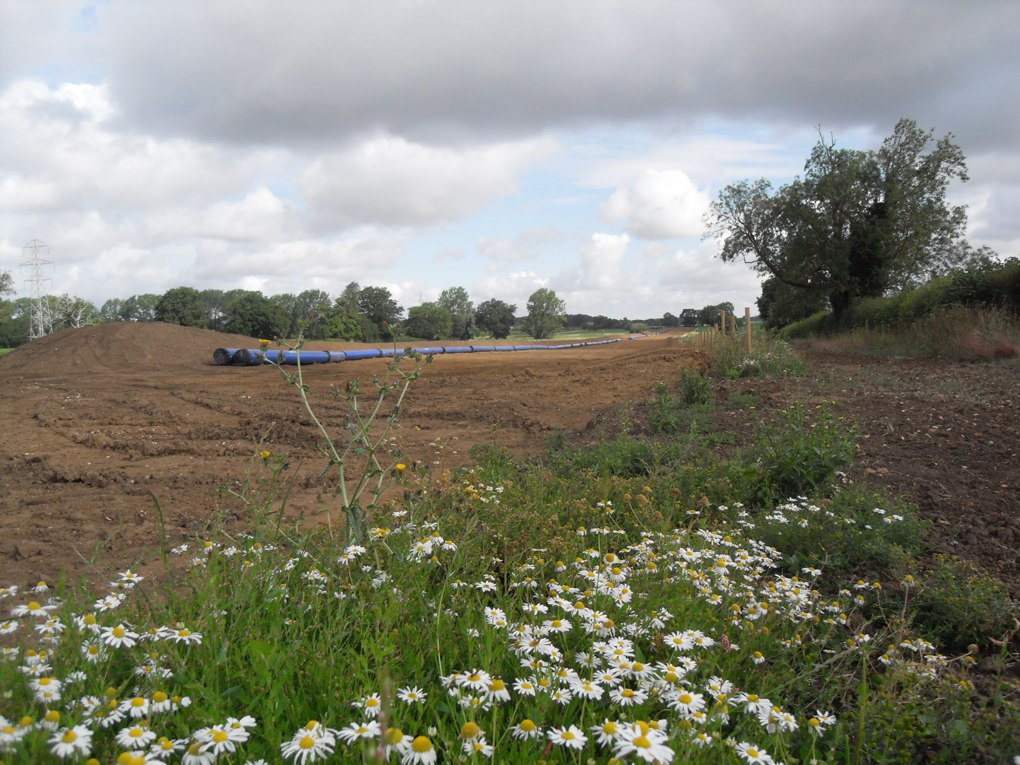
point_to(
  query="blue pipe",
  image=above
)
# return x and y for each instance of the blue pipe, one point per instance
(254, 357)
(371, 353)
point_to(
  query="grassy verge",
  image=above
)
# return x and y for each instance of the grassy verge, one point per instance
(954, 332)
(633, 600)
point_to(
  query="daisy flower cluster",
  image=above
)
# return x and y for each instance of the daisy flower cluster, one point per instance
(643, 647)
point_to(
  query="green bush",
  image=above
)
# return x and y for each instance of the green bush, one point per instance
(800, 451)
(956, 605)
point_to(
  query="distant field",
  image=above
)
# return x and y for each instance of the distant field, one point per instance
(5, 350)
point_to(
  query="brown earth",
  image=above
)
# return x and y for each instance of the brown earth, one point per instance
(99, 421)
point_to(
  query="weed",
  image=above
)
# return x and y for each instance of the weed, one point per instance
(800, 450)
(738, 400)
(957, 606)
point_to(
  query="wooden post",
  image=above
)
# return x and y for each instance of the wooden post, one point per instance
(733, 324)
(747, 327)
(723, 322)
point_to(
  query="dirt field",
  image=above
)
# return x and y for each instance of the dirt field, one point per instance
(96, 419)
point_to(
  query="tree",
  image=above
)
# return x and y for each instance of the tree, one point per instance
(669, 320)
(343, 322)
(712, 314)
(111, 310)
(496, 318)
(690, 317)
(6, 288)
(858, 224)
(183, 306)
(780, 304)
(255, 315)
(545, 312)
(306, 305)
(139, 308)
(378, 306)
(429, 321)
(73, 312)
(457, 301)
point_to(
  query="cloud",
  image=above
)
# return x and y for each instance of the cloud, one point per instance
(662, 204)
(261, 72)
(389, 180)
(527, 245)
(513, 288)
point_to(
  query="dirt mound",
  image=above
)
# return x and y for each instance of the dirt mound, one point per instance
(121, 346)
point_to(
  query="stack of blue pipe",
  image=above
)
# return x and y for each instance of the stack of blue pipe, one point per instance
(246, 357)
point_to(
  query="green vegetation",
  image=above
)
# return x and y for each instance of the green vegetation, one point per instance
(858, 224)
(638, 597)
(545, 314)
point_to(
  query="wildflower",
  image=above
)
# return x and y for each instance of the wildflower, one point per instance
(606, 732)
(71, 742)
(687, 703)
(524, 687)
(309, 744)
(627, 697)
(372, 705)
(136, 707)
(752, 754)
(354, 731)
(572, 737)
(32, 609)
(185, 636)
(525, 730)
(649, 745)
(497, 691)
(119, 637)
(412, 695)
(422, 752)
(477, 746)
(164, 747)
(135, 737)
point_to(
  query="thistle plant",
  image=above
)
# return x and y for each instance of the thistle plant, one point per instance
(350, 485)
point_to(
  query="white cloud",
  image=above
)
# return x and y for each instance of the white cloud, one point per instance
(661, 204)
(513, 288)
(389, 180)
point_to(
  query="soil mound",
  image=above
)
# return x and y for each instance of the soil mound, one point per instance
(121, 346)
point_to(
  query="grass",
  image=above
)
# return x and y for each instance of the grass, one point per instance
(5, 351)
(955, 332)
(636, 598)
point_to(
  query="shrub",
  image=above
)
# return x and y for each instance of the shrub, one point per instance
(800, 451)
(956, 605)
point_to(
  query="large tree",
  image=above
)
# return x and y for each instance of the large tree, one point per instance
(857, 224)
(545, 314)
(378, 306)
(183, 306)
(457, 301)
(429, 321)
(139, 308)
(255, 315)
(496, 318)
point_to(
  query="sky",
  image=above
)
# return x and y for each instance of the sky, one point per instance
(499, 146)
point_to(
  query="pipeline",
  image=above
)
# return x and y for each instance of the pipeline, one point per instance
(246, 357)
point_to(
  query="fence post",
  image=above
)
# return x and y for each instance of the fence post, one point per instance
(733, 325)
(747, 327)
(723, 322)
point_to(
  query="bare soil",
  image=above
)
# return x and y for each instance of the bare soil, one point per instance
(100, 421)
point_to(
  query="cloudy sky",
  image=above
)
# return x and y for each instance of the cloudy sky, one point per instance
(500, 146)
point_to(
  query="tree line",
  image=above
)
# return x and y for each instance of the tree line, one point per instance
(358, 314)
